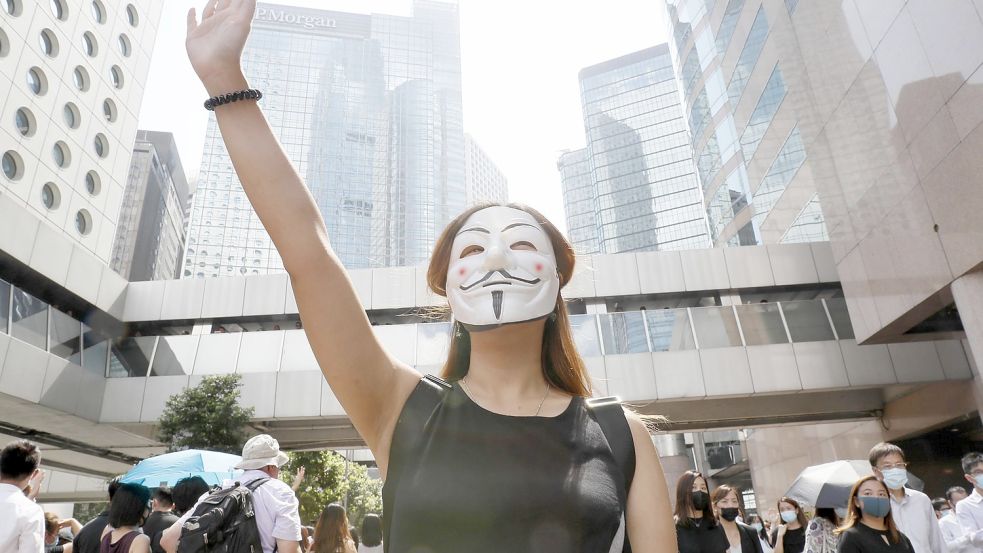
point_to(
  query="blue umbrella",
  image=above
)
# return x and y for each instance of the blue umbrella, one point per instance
(167, 469)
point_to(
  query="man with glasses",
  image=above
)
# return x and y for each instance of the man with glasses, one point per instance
(912, 510)
(969, 511)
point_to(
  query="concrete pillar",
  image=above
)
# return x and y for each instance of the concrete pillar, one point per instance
(675, 459)
(967, 291)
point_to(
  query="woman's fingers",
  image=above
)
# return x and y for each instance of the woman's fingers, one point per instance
(192, 21)
(209, 10)
(222, 4)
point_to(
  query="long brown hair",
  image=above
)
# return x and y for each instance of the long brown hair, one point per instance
(684, 500)
(562, 366)
(331, 532)
(854, 514)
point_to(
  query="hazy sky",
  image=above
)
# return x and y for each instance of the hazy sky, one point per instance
(519, 60)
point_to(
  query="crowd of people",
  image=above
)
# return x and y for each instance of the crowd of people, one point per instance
(144, 520)
(880, 514)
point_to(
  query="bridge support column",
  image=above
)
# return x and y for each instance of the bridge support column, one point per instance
(967, 291)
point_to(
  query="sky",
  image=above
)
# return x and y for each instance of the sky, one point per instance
(519, 60)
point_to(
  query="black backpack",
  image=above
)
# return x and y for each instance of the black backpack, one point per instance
(224, 522)
(428, 395)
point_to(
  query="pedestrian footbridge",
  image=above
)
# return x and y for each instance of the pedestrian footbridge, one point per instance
(717, 338)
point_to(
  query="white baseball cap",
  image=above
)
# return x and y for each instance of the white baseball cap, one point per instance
(260, 451)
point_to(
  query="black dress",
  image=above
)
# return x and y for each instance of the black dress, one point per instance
(794, 541)
(864, 539)
(700, 536)
(485, 482)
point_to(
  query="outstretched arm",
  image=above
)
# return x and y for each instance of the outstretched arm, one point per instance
(370, 385)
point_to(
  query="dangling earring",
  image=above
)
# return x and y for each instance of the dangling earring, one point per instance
(553, 317)
(457, 332)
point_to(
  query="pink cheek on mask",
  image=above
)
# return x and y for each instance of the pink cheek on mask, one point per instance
(461, 271)
(539, 267)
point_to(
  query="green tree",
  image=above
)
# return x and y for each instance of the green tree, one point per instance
(330, 478)
(207, 416)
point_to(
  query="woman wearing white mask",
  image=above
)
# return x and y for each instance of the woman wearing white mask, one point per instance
(509, 456)
(757, 523)
(790, 536)
(869, 526)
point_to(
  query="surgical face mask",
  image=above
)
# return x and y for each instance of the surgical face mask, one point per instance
(758, 526)
(502, 269)
(978, 480)
(841, 512)
(789, 516)
(729, 513)
(700, 500)
(875, 506)
(895, 479)
(945, 512)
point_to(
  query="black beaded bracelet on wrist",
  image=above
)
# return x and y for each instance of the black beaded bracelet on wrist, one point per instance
(222, 99)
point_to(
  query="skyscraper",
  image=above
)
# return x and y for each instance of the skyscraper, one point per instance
(368, 108)
(643, 193)
(485, 181)
(735, 63)
(150, 232)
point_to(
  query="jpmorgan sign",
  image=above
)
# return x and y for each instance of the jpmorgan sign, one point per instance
(290, 18)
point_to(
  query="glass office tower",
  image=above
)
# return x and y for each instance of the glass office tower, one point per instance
(643, 183)
(368, 109)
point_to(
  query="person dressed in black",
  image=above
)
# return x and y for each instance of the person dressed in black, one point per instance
(511, 457)
(697, 529)
(869, 526)
(88, 538)
(790, 535)
(727, 507)
(161, 517)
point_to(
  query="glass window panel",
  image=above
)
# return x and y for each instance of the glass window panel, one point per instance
(432, 343)
(716, 327)
(95, 349)
(4, 305)
(762, 324)
(217, 353)
(623, 333)
(669, 330)
(130, 356)
(66, 337)
(260, 352)
(297, 354)
(584, 328)
(175, 356)
(807, 321)
(841, 318)
(29, 319)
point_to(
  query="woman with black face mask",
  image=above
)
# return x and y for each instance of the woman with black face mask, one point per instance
(697, 529)
(741, 537)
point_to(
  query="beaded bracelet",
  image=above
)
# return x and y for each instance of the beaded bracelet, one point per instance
(222, 99)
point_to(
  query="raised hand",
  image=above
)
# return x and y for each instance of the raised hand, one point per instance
(215, 44)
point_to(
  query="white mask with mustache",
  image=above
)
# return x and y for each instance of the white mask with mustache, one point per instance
(502, 269)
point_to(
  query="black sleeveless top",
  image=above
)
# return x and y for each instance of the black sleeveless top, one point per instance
(484, 482)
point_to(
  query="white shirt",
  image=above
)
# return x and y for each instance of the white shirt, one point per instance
(916, 519)
(362, 548)
(969, 514)
(955, 539)
(277, 515)
(21, 522)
